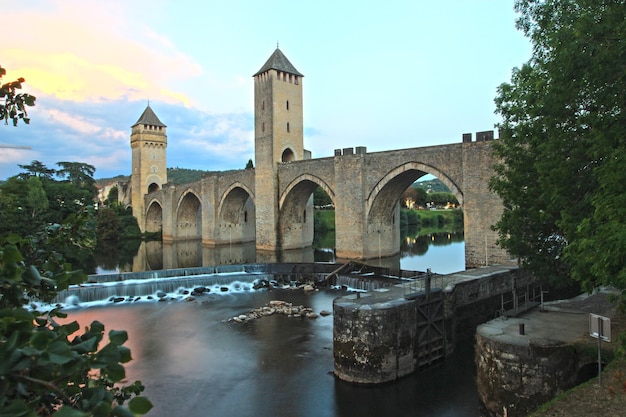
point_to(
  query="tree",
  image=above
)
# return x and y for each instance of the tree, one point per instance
(78, 173)
(36, 169)
(14, 106)
(36, 198)
(249, 165)
(52, 369)
(47, 368)
(562, 149)
(321, 198)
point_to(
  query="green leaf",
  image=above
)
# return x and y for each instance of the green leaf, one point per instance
(17, 408)
(118, 337)
(120, 411)
(140, 405)
(70, 327)
(89, 345)
(39, 339)
(59, 352)
(67, 411)
(115, 372)
(125, 355)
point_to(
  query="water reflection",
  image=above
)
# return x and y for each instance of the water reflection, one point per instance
(441, 251)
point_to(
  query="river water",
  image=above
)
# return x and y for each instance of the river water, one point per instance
(196, 363)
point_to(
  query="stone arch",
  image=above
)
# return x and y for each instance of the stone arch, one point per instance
(287, 155)
(382, 210)
(236, 215)
(153, 183)
(308, 178)
(385, 194)
(153, 187)
(189, 216)
(296, 211)
(154, 217)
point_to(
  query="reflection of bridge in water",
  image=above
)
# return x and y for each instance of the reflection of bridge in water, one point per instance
(271, 204)
(157, 255)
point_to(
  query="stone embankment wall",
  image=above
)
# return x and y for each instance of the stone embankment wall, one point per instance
(380, 336)
(513, 379)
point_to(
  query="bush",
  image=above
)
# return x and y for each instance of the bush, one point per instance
(51, 369)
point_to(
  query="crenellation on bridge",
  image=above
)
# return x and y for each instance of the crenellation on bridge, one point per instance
(272, 204)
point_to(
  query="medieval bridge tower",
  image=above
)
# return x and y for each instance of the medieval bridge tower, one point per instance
(148, 141)
(278, 138)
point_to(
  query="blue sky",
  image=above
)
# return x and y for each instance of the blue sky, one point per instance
(386, 75)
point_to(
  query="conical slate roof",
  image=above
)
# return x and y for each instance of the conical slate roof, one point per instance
(148, 118)
(278, 61)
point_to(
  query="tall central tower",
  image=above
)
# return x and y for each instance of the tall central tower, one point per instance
(278, 138)
(148, 141)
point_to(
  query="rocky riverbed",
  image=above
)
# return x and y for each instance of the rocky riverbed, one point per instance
(279, 307)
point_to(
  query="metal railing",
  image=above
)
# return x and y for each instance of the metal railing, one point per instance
(422, 284)
(520, 300)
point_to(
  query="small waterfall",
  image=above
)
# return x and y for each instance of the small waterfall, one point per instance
(150, 286)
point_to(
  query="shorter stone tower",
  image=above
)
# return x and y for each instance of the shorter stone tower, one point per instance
(148, 141)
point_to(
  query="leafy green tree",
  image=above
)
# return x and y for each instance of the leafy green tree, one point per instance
(36, 199)
(36, 169)
(562, 147)
(249, 165)
(321, 198)
(14, 106)
(52, 369)
(78, 173)
(112, 197)
(108, 226)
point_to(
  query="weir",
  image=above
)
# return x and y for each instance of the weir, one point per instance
(226, 278)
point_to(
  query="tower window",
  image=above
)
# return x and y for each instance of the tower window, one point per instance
(263, 105)
(287, 104)
(263, 127)
(287, 126)
(304, 216)
(245, 216)
(296, 81)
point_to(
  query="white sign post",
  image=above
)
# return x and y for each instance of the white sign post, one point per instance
(600, 328)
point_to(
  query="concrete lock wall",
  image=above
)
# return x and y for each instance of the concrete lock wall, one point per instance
(513, 379)
(374, 345)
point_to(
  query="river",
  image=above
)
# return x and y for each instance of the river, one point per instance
(196, 363)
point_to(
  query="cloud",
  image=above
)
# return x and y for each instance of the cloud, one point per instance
(94, 59)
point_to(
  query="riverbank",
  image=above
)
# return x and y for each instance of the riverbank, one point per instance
(589, 399)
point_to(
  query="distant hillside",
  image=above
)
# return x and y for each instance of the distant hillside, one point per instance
(432, 186)
(174, 175)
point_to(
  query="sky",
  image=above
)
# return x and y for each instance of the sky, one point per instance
(386, 75)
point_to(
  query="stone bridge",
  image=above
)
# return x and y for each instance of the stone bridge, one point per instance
(365, 189)
(272, 205)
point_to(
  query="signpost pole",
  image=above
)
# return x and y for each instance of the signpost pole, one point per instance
(600, 334)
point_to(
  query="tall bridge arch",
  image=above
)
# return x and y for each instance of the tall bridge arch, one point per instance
(236, 215)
